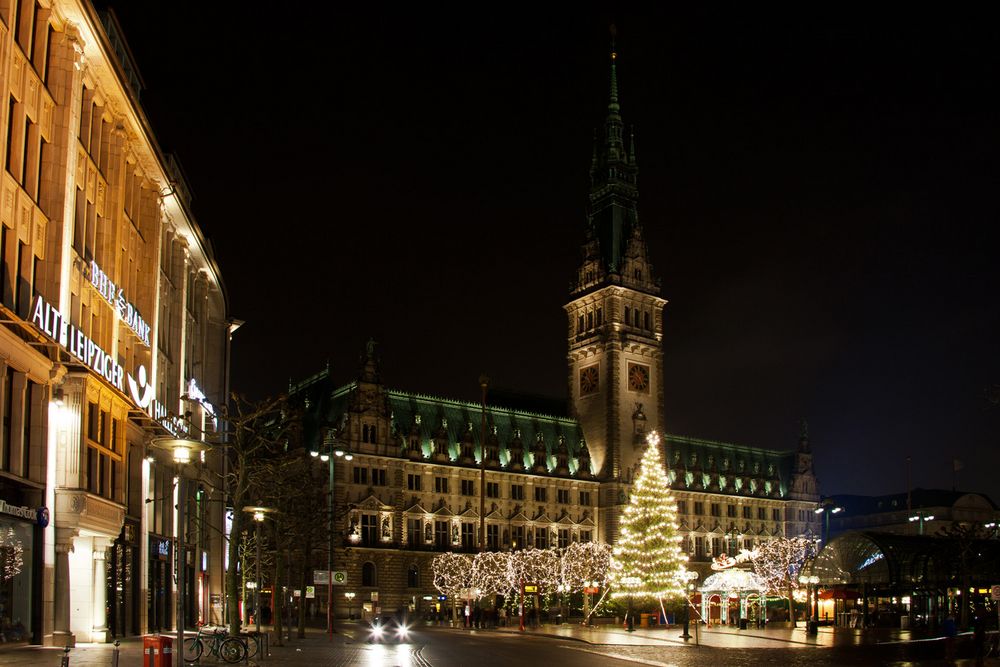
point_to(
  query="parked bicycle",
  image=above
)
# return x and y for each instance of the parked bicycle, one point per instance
(219, 644)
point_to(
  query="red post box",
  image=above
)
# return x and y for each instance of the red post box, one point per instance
(157, 651)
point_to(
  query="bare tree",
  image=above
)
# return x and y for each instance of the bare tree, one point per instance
(254, 432)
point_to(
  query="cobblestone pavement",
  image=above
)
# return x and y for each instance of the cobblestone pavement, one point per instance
(456, 647)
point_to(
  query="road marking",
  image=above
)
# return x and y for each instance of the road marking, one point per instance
(418, 658)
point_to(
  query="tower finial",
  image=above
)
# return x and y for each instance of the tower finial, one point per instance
(613, 102)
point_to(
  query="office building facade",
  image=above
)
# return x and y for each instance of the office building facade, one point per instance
(115, 332)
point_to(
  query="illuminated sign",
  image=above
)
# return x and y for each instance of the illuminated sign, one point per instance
(57, 327)
(38, 515)
(77, 343)
(163, 548)
(871, 560)
(115, 295)
(531, 588)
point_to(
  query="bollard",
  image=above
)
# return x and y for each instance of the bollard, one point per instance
(65, 658)
(114, 654)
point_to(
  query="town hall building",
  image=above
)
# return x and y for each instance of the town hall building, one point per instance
(413, 487)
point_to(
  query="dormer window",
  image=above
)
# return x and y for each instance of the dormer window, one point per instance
(368, 433)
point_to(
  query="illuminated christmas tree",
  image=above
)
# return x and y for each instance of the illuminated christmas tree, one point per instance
(647, 561)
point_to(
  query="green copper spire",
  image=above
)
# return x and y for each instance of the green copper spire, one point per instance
(614, 240)
(613, 108)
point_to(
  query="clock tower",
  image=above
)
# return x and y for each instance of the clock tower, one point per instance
(615, 319)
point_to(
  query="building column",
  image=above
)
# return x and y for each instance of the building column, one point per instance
(61, 635)
(99, 633)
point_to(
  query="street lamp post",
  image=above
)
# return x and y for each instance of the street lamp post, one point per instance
(826, 508)
(483, 384)
(181, 450)
(326, 458)
(259, 513)
(921, 516)
(814, 580)
(350, 598)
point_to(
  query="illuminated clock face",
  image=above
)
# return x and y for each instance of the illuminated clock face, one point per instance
(588, 380)
(638, 378)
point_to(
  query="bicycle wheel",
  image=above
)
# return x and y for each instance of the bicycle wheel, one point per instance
(252, 643)
(232, 650)
(193, 649)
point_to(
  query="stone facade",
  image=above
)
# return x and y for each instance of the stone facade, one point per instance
(114, 331)
(412, 487)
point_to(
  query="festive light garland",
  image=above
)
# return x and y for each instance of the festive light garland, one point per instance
(490, 573)
(778, 562)
(452, 573)
(535, 566)
(585, 563)
(647, 561)
(11, 555)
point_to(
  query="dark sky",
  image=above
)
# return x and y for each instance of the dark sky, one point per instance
(819, 194)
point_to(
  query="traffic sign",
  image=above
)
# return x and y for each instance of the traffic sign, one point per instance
(322, 578)
(995, 592)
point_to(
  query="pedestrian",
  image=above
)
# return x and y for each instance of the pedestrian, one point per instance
(979, 635)
(950, 631)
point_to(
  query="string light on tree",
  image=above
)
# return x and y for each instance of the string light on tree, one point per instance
(778, 562)
(647, 561)
(489, 575)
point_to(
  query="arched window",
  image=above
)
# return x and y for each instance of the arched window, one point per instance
(413, 577)
(368, 574)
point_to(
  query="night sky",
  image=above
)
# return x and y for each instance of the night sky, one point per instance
(818, 192)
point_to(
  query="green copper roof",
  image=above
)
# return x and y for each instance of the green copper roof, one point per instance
(696, 464)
